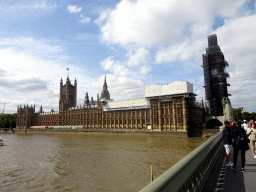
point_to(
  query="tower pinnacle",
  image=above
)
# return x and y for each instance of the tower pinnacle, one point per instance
(105, 94)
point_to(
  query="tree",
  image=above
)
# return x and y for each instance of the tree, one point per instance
(8, 120)
(245, 116)
(253, 116)
(237, 114)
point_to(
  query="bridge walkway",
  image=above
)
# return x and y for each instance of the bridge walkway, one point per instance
(224, 179)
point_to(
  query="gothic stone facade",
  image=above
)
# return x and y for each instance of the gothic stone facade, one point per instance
(163, 113)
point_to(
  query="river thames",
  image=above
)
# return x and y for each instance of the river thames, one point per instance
(87, 162)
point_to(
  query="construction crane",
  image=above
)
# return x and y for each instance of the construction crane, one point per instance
(3, 108)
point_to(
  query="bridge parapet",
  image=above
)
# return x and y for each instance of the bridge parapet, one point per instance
(190, 173)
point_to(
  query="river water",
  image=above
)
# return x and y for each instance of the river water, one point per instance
(87, 162)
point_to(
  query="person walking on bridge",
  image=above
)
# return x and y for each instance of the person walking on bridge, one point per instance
(252, 136)
(240, 143)
(227, 141)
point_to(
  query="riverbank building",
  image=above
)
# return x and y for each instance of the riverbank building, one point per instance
(171, 107)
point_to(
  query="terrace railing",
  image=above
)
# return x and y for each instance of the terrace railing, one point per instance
(190, 173)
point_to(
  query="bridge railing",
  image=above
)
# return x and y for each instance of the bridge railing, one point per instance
(190, 173)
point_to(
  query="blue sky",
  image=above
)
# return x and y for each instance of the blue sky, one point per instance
(134, 43)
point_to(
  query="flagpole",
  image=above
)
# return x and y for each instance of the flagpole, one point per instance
(68, 72)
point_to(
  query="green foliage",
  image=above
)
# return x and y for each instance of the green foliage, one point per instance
(237, 114)
(8, 120)
(252, 116)
(245, 116)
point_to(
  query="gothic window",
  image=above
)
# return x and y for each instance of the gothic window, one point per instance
(171, 121)
(155, 121)
(179, 120)
(179, 111)
(179, 115)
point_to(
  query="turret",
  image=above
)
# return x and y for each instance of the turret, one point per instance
(61, 82)
(86, 99)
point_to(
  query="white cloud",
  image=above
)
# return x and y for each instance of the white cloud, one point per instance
(236, 39)
(74, 9)
(84, 19)
(118, 69)
(145, 70)
(139, 57)
(30, 73)
(175, 32)
(149, 22)
(121, 88)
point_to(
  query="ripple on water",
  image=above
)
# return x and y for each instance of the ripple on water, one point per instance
(84, 162)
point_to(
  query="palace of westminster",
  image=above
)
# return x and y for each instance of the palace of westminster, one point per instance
(170, 107)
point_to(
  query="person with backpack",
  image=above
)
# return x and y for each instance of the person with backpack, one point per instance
(240, 143)
(252, 136)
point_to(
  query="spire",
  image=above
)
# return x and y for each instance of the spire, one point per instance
(105, 86)
(105, 94)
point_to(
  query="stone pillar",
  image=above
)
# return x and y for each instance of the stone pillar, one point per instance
(87, 118)
(185, 114)
(127, 119)
(174, 115)
(118, 120)
(123, 119)
(160, 123)
(169, 117)
(132, 119)
(102, 119)
(151, 117)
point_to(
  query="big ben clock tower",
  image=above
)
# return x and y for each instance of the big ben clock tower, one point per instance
(215, 77)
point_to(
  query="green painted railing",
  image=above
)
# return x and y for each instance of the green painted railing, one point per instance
(190, 173)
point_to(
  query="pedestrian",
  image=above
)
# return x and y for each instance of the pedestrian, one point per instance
(227, 141)
(252, 136)
(231, 123)
(240, 144)
(245, 125)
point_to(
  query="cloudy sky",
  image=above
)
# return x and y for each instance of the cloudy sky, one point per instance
(134, 43)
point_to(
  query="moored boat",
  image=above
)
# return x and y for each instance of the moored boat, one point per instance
(1, 142)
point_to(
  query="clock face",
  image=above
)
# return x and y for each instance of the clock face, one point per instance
(214, 71)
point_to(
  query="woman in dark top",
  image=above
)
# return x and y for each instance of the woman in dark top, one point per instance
(240, 143)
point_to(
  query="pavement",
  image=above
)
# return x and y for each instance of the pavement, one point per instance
(224, 179)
